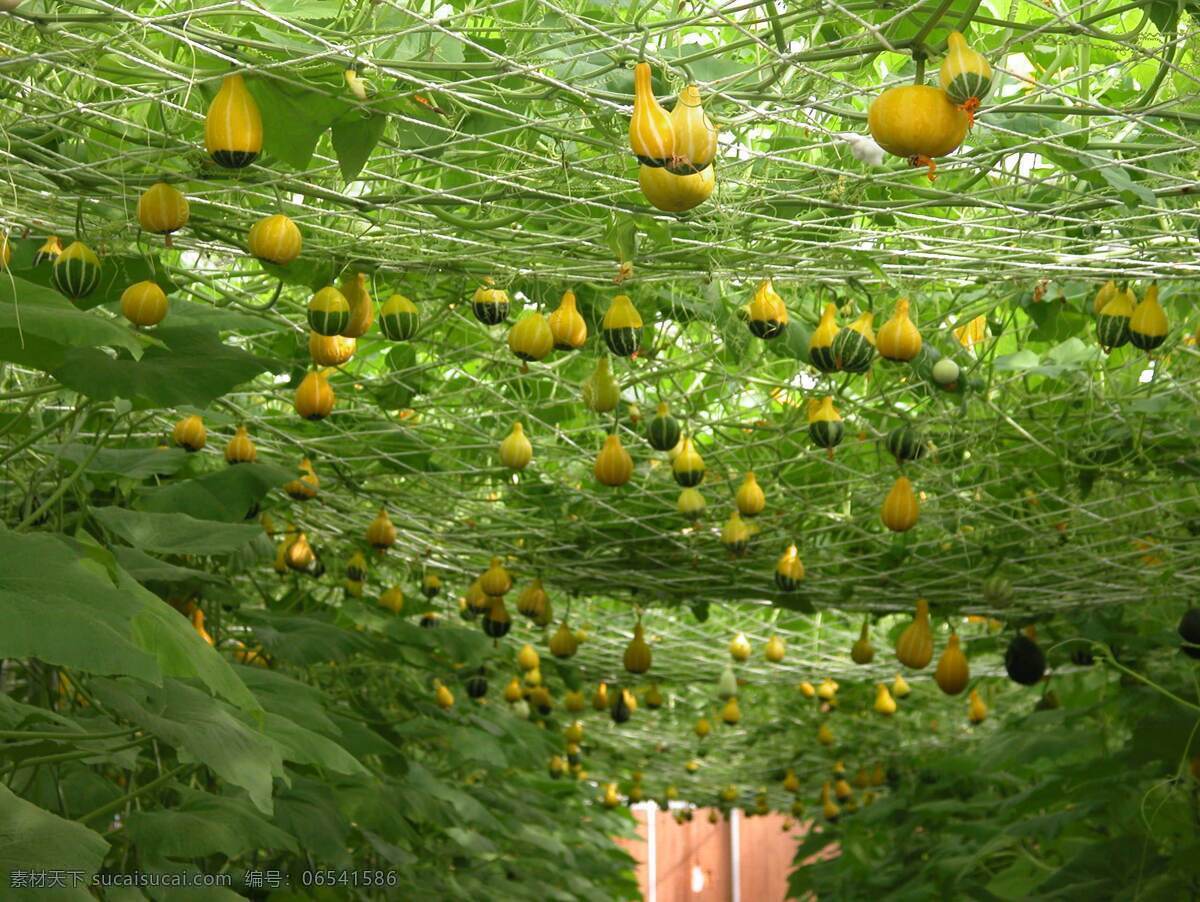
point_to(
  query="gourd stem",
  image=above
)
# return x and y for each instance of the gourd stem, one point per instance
(919, 74)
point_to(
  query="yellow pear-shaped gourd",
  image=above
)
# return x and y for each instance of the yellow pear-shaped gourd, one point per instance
(275, 239)
(527, 657)
(695, 136)
(691, 503)
(750, 499)
(791, 782)
(807, 689)
(314, 397)
(789, 570)
(162, 209)
(1148, 324)
(600, 390)
(306, 485)
(900, 687)
(496, 580)
(637, 653)
(614, 466)
(532, 601)
(654, 698)
(735, 535)
(600, 699)
(1107, 292)
(381, 534)
(362, 310)
(563, 643)
(531, 338)
(862, 652)
(233, 131)
(914, 648)
(651, 132)
(190, 434)
(731, 713)
(567, 325)
(827, 690)
(513, 692)
(444, 697)
(702, 727)
(820, 344)
(47, 253)
(825, 734)
(330, 350)
(953, 673)
(884, 703)
(898, 338)
(515, 451)
(688, 466)
(240, 449)
(900, 508)
(766, 314)
(774, 650)
(739, 648)
(977, 710)
(965, 75)
(392, 599)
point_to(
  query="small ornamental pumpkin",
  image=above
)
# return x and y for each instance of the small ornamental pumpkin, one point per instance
(884, 703)
(240, 449)
(820, 345)
(515, 451)
(600, 391)
(900, 508)
(695, 136)
(330, 350)
(854, 345)
(356, 567)
(443, 696)
(965, 76)
(431, 585)
(496, 580)
(900, 687)
(688, 466)
(392, 599)
(663, 430)
(676, 193)
(750, 499)
(496, 622)
(76, 272)
(563, 643)
(275, 239)
(731, 713)
(314, 396)
(398, 318)
(735, 535)
(1112, 325)
(144, 304)
(767, 315)
(328, 311)
(531, 338)
(774, 650)
(690, 503)
(905, 443)
(622, 327)
(47, 253)
(1148, 324)
(381, 534)
(1107, 292)
(953, 672)
(862, 652)
(233, 131)
(898, 339)
(306, 485)
(532, 600)
(917, 123)
(977, 710)
(651, 131)
(162, 209)
(614, 466)
(825, 426)
(299, 554)
(527, 658)
(567, 325)
(190, 434)
(489, 303)
(789, 570)
(362, 309)
(914, 648)
(637, 653)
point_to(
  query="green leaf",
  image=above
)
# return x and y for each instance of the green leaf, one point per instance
(294, 118)
(132, 463)
(147, 569)
(306, 747)
(303, 640)
(226, 495)
(203, 824)
(175, 533)
(354, 137)
(35, 840)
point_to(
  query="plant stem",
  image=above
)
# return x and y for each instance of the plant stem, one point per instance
(116, 804)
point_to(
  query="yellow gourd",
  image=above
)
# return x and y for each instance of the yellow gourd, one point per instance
(600, 699)
(567, 325)
(750, 499)
(900, 687)
(240, 449)
(829, 808)
(233, 131)
(275, 239)
(600, 390)
(392, 599)
(563, 643)
(825, 734)
(898, 338)
(47, 253)
(190, 434)
(531, 338)
(651, 132)
(688, 465)
(977, 710)
(532, 601)
(513, 692)
(914, 648)
(789, 570)
(862, 652)
(807, 689)
(900, 508)
(766, 315)
(702, 727)
(965, 76)
(827, 690)
(314, 396)
(637, 653)
(162, 209)
(917, 123)
(527, 657)
(791, 783)
(330, 350)
(515, 451)
(676, 193)
(774, 650)
(1107, 292)
(444, 697)
(695, 136)
(381, 534)
(306, 485)
(614, 466)
(739, 648)
(1148, 325)
(731, 714)
(362, 309)
(884, 703)
(820, 345)
(198, 626)
(691, 503)
(144, 304)
(953, 672)
(496, 580)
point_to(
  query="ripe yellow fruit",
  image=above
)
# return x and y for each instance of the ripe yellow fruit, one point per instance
(914, 648)
(567, 325)
(162, 209)
(275, 239)
(774, 650)
(445, 698)
(496, 580)
(381, 534)
(977, 710)
(233, 131)
(190, 434)
(305, 486)
(825, 734)
(731, 714)
(314, 396)
(144, 304)
(900, 508)
(695, 136)
(900, 687)
(862, 652)
(240, 449)
(702, 727)
(563, 643)
(917, 123)
(515, 451)
(750, 499)
(651, 131)
(362, 309)
(676, 193)
(330, 350)
(739, 648)
(807, 689)
(392, 599)
(513, 692)
(614, 466)
(691, 503)
(527, 657)
(953, 672)
(898, 338)
(827, 690)
(637, 654)
(735, 535)
(531, 338)
(884, 703)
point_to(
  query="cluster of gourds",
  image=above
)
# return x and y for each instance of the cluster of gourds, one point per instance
(1121, 319)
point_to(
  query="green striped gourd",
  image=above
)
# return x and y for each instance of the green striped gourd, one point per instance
(76, 272)
(663, 431)
(622, 327)
(854, 346)
(399, 318)
(328, 311)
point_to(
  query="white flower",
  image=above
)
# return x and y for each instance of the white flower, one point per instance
(864, 148)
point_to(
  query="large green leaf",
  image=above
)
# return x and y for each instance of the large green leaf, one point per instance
(227, 494)
(203, 824)
(132, 463)
(32, 839)
(176, 533)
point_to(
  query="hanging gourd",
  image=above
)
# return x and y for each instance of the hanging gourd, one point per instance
(233, 131)
(884, 703)
(820, 345)
(622, 327)
(1148, 325)
(767, 315)
(900, 687)
(997, 591)
(774, 650)
(702, 728)
(651, 131)
(513, 692)
(567, 325)
(240, 449)
(653, 697)
(515, 451)
(314, 396)
(807, 689)
(825, 735)
(600, 391)
(945, 373)
(614, 466)
(531, 338)
(443, 696)
(691, 503)
(750, 499)
(190, 434)
(977, 710)
(475, 597)
(917, 123)
(898, 339)
(735, 535)
(695, 135)
(275, 239)
(965, 76)
(496, 580)
(330, 350)
(393, 600)
(398, 318)
(637, 653)
(162, 210)
(198, 626)
(1024, 660)
(789, 570)
(356, 567)
(362, 310)
(532, 601)
(862, 652)
(731, 713)
(739, 648)
(76, 272)
(496, 622)
(381, 534)
(489, 303)
(663, 430)
(563, 643)
(827, 690)
(299, 555)
(1107, 292)
(688, 466)
(144, 304)
(900, 508)
(676, 193)
(825, 426)
(953, 673)
(477, 687)
(431, 585)
(527, 658)
(829, 807)
(328, 311)
(306, 485)
(854, 345)
(47, 253)
(1113, 323)
(914, 648)
(905, 443)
